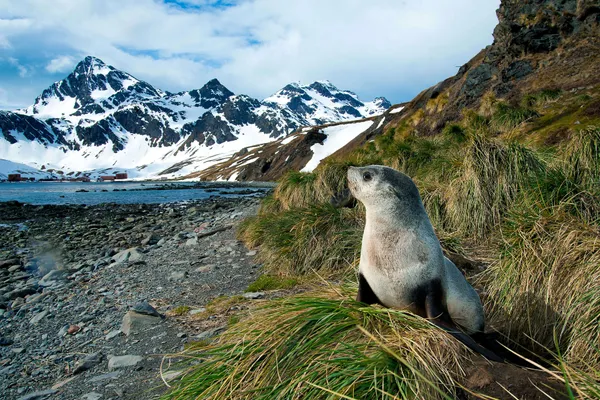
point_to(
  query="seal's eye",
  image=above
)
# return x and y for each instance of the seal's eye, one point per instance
(367, 176)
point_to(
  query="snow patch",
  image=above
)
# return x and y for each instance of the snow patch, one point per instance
(337, 137)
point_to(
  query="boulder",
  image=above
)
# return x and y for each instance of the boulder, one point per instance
(134, 322)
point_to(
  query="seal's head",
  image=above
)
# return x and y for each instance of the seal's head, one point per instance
(377, 186)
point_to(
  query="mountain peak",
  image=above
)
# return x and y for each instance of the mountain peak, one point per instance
(91, 65)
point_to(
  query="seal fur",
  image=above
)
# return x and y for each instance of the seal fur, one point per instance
(402, 264)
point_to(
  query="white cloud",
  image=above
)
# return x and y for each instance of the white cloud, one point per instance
(380, 47)
(23, 71)
(61, 64)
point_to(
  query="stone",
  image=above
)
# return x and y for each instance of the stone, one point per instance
(105, 377)
(204, 269)
(4, 341)
(130, 255)
(150, 240)
(210, 333)
(253, 295)
(179, 275)
(172, 375)
(115, 362)
(38, 395)
(134, 322)
(52, 277)
(14, 268)
(87, 363)
(92, 396)
(112, 334)
(251, 253)
(192, 242)
(145, 308)
(38, 317)
(73, 329)
(197, 311)
(17, 350)
(63, 331)
(9, 263)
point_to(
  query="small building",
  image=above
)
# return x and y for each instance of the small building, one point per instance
(105, 178)
(14, 177)
(122, 175)
(83, 179)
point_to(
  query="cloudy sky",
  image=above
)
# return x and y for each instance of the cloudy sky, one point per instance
(389, 48)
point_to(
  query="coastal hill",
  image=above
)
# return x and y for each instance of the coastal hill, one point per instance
(102, 120)
(537, 46)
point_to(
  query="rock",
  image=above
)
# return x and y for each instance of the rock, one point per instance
(4, 341)
(150, 240)
(17, 350)
(181, 335)
(38, 395)
(145, 308)
(204, 269)
(21, 292)
(87, 363)
(115, 362)
(129, 255)
(52, 277)
(192, 242)
(254, 295)
(9, 263)
(104, 377)
(251, 253)
(14, 268)
(179, 275)
(63, 331)
(210, 333)
(112, 334)
(134, 322)
(197, 311)
(171, 375)
(91, 396)
(73, 329)
(38, 317)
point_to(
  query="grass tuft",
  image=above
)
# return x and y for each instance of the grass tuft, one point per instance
(271, 282)
(325, 347)
(507, 117)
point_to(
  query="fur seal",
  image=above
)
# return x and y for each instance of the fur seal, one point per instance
(402, 264)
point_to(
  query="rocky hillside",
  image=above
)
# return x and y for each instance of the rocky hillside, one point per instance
(538, 45)
(100, 117)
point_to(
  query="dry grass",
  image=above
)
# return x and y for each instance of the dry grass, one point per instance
(492, 176)
(325, 346)
(544, 289)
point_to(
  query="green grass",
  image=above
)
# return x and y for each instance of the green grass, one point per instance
(271, 282)
(507, 117)
(325, 347)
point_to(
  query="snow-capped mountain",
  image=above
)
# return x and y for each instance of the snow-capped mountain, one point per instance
(99, 117)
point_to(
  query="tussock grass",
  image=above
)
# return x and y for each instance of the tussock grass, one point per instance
(271, 282)
(492, 176)
(544, 289)
(582, 158)
(507, 117)
(301, 189)
(325, 346)
(540, 98)
(301, 240)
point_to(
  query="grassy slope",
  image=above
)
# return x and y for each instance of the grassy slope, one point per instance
(514, 184)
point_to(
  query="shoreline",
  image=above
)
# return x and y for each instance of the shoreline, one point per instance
(70, 274)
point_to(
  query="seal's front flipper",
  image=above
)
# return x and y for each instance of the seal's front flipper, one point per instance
(365, 293)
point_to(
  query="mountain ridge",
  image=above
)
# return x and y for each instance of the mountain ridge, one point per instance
(99, 111)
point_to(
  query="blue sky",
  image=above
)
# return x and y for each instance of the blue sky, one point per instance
(388, 48)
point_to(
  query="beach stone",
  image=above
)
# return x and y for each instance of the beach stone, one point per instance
(87, 363)
(254, 295)
(92, 396)
(134, 322)
(9, 263)
(38, 317)
(129, 255)
(115, 362)
(38, 395)
(105, 377)
(145, 308)
(52, 277)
